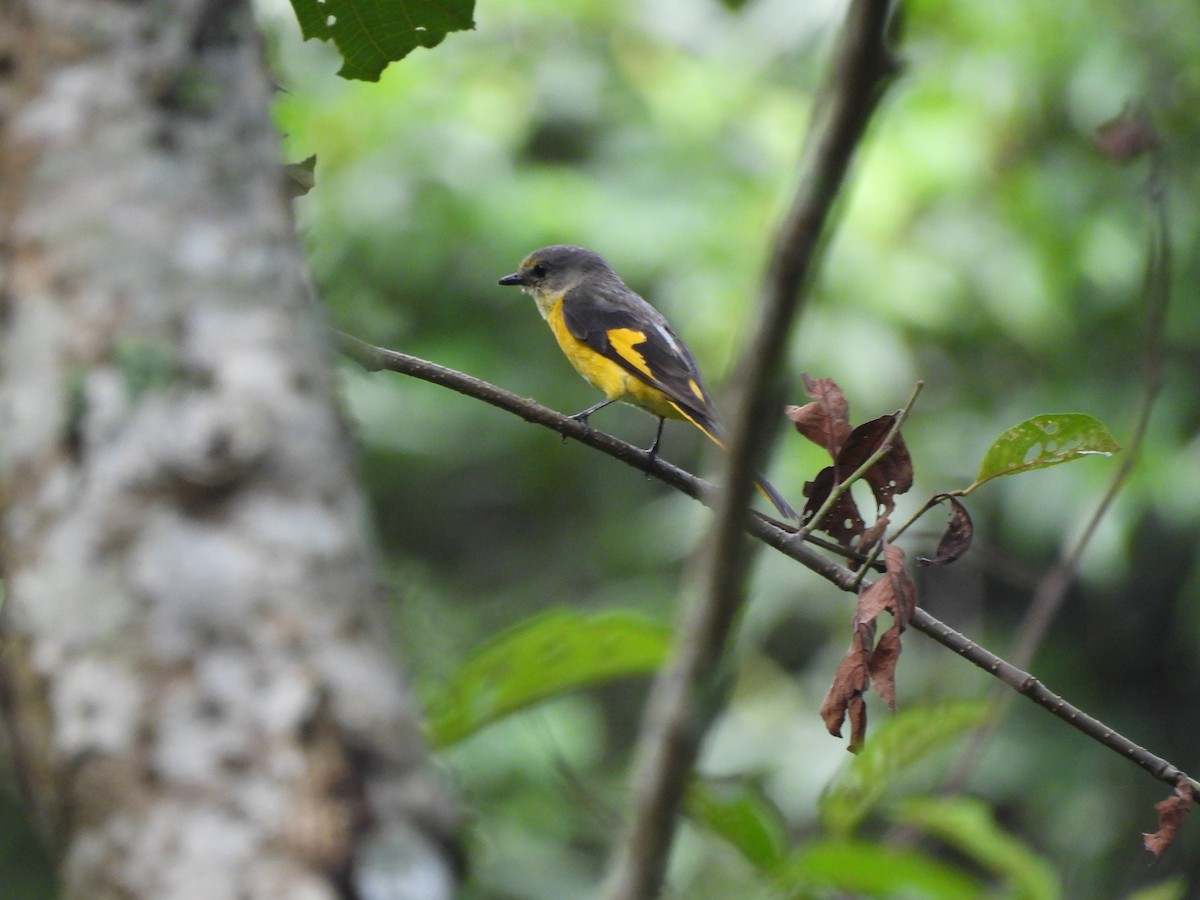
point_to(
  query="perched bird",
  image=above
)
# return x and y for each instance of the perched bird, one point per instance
(620, 344)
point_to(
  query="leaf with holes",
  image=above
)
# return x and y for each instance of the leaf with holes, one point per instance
(369, 34)
(1045, 441)
(544, 657)
(843, 522)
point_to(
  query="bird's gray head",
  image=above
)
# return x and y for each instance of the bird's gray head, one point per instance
(556, 269)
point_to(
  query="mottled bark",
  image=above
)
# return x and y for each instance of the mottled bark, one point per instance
(199, 700)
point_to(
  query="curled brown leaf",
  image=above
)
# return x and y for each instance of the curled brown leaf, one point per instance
(956, 539)
(825, 421)
(869, 664)
(882, 666)
(1171, 814)
(850, 683)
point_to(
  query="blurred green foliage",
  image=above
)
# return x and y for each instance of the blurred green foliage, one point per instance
(983, 245)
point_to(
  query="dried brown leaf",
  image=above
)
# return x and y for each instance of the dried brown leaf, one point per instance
(812, 421)
(1171, 814)
(825, 421)
(850, 682)
(868, 664)
(956, 539)
(891, 475)
(882, 666)
(878, 598)
(903, 590)
(900, 595)
(843, 522)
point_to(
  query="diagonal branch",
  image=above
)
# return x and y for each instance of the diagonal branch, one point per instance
(377, 359)
(766, 531)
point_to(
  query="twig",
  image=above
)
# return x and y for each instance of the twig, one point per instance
(686, 692)
(376, 359)
(1024, 683)
(763, 529)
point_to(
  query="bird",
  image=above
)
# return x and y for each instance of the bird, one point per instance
(620, 344)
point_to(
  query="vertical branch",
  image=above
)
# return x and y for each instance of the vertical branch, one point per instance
(685, 695)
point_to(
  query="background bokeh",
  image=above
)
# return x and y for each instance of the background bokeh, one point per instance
(983, 246)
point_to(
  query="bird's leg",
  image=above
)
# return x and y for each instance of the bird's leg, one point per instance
(595, 407)
(652, 451)
(582, 417)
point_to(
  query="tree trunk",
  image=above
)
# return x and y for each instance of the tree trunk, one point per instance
(199, 701)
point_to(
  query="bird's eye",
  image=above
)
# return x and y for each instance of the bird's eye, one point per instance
(539, 271)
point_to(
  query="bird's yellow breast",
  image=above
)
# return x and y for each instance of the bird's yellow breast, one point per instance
(614, 381)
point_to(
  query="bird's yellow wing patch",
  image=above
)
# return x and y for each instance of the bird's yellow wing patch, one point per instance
(623, 340)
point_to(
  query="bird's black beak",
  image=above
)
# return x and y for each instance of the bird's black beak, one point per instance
(514, 278)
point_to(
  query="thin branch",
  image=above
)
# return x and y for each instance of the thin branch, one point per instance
(686, 693)
(765, 530)
(374, 359)
(377, 359)
(1024, 683)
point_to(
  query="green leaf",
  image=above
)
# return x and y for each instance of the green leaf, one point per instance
(869, 870)
(543, 657)
(742, 816)
(1045, 441)
(967, 824)
(372, 33)
(906, 739)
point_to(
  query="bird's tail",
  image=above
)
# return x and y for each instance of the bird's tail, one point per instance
(784, 508)
(712, 431)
